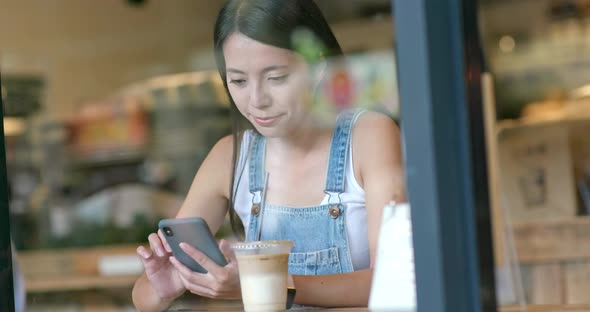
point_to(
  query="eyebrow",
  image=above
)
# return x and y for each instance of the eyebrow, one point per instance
(265, 70)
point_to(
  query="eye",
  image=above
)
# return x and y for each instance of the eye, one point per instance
(237, 82)
(278, 78)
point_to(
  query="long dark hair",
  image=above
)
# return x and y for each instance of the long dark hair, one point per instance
(296, 25)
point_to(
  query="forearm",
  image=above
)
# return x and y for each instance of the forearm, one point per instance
(146, 299)
(337, 290)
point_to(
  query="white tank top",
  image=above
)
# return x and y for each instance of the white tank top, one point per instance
(353, 197)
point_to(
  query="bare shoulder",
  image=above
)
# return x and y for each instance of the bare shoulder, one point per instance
(225, 143)
(375, 145)
(208, 194)
(212, 179)
(222, 150)
(217, 166)
(374, 127)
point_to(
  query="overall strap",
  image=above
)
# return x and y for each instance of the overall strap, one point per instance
(256, 165)
(339, 151)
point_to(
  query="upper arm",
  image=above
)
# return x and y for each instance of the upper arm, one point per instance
(209, 192)
(378, 158)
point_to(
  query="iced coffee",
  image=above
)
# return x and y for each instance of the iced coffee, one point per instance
(263, 268)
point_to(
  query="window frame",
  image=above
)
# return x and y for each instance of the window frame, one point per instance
(438, 53)
(440, 63)
(6, 274)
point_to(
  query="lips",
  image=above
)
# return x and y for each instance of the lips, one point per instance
(266, 121)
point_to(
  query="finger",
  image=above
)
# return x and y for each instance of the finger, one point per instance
(164, 241)
(197, 289)
(183, 270)
(150, 262)
(156, 245)
(226, 250)
(143, 252)
(201, 259)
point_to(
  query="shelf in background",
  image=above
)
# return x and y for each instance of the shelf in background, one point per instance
(55, 270)
(57, 284)
(553, 240)
(554, 259)
(547, 308)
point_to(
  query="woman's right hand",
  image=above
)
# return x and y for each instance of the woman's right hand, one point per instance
(162, 275)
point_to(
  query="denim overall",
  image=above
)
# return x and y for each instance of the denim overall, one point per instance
(319, 232)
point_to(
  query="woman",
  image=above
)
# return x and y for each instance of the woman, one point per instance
(326, 187)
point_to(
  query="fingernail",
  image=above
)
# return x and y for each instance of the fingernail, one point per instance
(182, 245)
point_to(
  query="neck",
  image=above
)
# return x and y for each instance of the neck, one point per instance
(298, 143)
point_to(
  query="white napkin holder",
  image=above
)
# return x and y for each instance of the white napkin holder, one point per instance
(394, 287)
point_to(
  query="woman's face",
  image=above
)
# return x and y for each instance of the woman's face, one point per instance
(269, 85)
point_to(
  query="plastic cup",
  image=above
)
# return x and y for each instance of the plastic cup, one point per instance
(263, 267)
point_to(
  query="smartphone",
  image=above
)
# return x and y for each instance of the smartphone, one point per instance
(195, 232)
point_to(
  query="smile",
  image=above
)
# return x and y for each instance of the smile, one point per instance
(266, 121)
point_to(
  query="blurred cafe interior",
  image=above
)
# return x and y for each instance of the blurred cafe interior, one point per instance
(110, 107)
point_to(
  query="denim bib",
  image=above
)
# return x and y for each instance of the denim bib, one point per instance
(319, 232)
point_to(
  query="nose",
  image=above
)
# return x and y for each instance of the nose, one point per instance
(259, 96)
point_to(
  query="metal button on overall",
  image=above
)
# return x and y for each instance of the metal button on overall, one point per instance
(255, 209)
(334, 211)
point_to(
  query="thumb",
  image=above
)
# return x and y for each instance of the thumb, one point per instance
(225, 248)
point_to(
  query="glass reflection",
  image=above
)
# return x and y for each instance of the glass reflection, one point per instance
(108, 120)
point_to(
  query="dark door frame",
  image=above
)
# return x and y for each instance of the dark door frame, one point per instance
(6, 278)
(440, 62)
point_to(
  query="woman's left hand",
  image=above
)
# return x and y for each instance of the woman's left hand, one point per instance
(219, 282)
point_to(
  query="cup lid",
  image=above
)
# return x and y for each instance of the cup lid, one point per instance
(262, 247)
